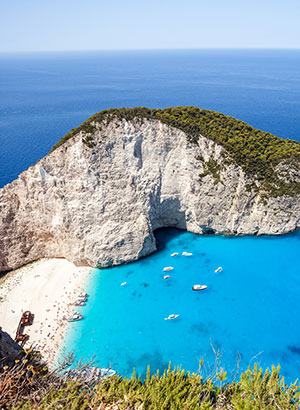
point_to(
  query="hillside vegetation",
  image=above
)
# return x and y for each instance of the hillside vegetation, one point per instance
(28, 385)
(259, 153)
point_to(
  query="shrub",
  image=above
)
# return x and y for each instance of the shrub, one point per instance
(257, 152)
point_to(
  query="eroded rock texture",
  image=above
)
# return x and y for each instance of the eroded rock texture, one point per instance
(99, 205)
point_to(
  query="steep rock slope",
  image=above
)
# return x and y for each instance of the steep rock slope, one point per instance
(9, 349)
(98, 197)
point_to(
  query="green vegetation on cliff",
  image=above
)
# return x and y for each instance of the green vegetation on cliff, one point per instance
(31, 387)
(256, 151)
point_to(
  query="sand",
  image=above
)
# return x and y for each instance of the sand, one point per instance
(47, 288)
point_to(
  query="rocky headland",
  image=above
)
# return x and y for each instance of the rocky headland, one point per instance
(98, 197)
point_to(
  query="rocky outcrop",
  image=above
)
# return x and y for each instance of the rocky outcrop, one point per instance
(97, 201)
(9, 350)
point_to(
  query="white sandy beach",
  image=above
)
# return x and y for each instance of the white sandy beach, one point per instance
(47, 288)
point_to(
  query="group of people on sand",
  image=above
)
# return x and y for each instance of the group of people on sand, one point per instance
(47, 337)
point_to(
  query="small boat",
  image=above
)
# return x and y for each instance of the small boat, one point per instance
(186, 254)
(79, 303)
(199, 287)
(174, 254)
(93, 374)
(76, 316)
(123, 284)
(168, 268)
(81, 299)
(172, 316)
(166, 277)
(219, 269)
(103, 373)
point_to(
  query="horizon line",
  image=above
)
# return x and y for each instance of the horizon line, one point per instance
(145, 49)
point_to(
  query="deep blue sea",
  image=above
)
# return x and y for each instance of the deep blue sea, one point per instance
(250, 311)
(44, 95)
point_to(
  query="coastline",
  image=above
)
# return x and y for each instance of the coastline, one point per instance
(47, 288)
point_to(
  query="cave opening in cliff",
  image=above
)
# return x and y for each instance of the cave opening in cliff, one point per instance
(207, 230)
(165, 235)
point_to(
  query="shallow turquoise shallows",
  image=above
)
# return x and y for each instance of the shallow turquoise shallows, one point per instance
(249, 312)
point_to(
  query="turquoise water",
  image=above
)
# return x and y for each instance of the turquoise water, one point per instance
(249, 312)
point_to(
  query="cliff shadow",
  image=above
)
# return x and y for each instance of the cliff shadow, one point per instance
(165, 235)
(168, 214)
(169, 222)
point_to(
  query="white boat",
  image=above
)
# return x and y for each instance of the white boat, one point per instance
(79, 303)
(103, 373)
(90, 373)
(76, 316)
(123, 284)
(219, 269)
(166, 277)
(186, 254)
(172, 316)
(174, 254)
(81, 298)
(168, 268)
(199, 287)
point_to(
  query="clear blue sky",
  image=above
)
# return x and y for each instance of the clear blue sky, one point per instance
(43, 25)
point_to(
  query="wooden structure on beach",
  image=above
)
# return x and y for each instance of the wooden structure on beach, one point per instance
(26, 320)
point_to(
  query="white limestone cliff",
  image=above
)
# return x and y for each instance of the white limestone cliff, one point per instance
(99, 206)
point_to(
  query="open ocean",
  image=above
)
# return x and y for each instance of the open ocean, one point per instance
(250, 311)
(44, 95)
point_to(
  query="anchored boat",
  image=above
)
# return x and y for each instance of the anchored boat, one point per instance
(81, 299)
(91, 375)
(79, 303)
(199, 287)
(75, 317)
(172, 316)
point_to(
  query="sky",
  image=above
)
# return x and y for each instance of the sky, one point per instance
(59, 25)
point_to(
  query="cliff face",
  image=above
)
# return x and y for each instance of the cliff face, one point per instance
(98, 203)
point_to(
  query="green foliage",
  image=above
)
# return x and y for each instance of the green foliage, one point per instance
(88, 140)
(86, 127)
(265, 391)
(212, 167)
(173, 390)
(257, 152)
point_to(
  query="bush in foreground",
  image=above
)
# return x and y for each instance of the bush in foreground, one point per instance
(28, 385)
